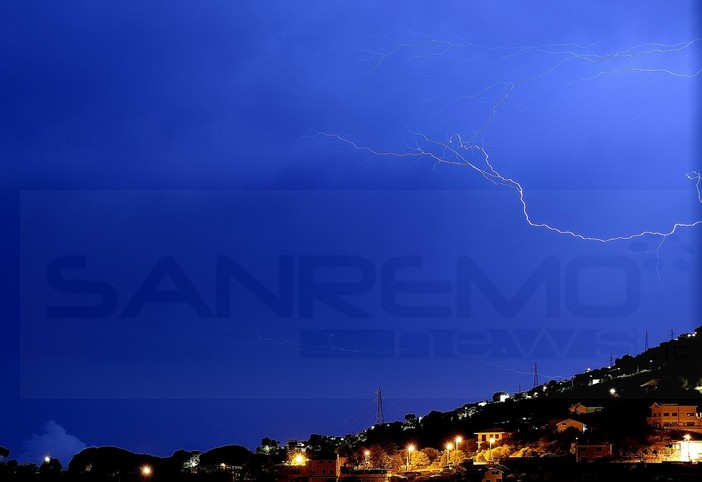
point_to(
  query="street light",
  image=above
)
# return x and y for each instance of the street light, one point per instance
(492, 441)
(146, 471)
(47, 459)
(449, 446)
(687, 439)
(459, 439)
(366, 455)
(410, 449)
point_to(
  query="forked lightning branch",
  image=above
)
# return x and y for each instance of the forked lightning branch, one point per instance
(462, 150)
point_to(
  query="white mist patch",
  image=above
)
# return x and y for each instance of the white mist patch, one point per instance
(52, 442)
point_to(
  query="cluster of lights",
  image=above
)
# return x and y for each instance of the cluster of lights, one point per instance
(299, 459)
(689, 452)
(451, 445)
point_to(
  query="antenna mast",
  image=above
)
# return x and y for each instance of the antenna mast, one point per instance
(379, 417)
(536, 375)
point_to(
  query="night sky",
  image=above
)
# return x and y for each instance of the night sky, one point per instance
(223, 221)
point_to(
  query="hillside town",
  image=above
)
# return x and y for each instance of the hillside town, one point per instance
(495, 454)
(637, 419)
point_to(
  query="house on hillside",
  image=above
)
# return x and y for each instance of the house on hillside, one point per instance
(494, 434)
(581, 409)
(592, 452)
(673, 415)
(564, 425)
(495, 473)
(324, 469)
(310, 470)
(650, 385)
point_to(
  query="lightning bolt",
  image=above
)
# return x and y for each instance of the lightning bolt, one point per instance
(695, 176)
(456, 147)
(456, 151)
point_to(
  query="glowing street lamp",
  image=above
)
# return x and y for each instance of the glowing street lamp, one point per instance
(299, 459)
(47, 459)
(366, 455)
(146, 471)
(492, 441)
(410, 449)
(687, 439)
(459, 439)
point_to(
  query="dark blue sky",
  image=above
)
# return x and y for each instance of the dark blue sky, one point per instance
(196, 254)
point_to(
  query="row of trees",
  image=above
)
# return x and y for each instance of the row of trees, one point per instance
(396, 459)
(12, 471)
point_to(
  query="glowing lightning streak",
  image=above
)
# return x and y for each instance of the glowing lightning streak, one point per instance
(457, 148)
(695, 176)
(638, 69)
(595, 59)
(631, 53)
(492, 175)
